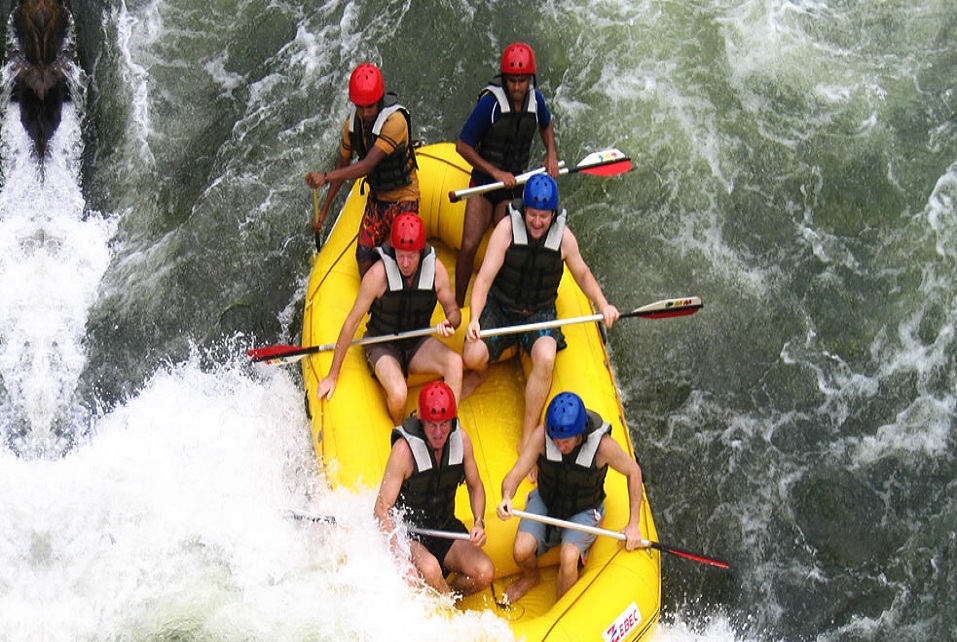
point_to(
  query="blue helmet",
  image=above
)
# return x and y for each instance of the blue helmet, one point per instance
(565, 416)
(541, 192)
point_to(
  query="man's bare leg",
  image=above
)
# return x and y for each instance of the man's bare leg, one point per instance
(478, 216)
(524, 554)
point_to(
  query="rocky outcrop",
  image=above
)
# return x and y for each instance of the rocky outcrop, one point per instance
(41, 61)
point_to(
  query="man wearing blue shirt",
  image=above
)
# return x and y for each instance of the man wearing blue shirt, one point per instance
(496, 140)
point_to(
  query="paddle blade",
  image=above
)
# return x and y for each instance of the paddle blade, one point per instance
(689, 555)
(309, 517)
(608, 162)
(277, 355)
(609, 169)
(667, 308)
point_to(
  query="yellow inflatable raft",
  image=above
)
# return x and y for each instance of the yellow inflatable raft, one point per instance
(618, 596)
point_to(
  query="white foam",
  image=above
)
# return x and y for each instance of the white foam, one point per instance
(712, 628)
(172, 519)
(53, 254)
(940, 212)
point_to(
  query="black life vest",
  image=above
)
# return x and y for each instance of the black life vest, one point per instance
(428, 494)
(530, 273)
(404, 306)
(507, 142)
(572, 483)
(395, 170)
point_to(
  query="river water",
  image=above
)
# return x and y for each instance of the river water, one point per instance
(795, 167)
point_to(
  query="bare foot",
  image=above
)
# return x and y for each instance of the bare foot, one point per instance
(520, 587)
(472, 380)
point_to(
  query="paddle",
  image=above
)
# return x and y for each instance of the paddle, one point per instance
(457, 195)
(594, 530)
(658, 310)
(315, 219)
(609, 162)
(330, 519)
(285, 354)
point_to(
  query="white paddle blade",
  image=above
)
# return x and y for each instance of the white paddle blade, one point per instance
(604, 156)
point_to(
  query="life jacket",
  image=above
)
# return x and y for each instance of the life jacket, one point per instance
(507, 142)
(530, 273)
(404, 306)
(428, 494)
(395, 170)
(572, 483)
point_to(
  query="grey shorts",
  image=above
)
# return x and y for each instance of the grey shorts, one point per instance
(402, 351)
(549, 537)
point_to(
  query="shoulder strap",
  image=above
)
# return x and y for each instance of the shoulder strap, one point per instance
(589, 449)
(504, 104)
(455, 445)
(392, 275)
(516, 214)
(553, 240)
(383, 116)
(420, 449)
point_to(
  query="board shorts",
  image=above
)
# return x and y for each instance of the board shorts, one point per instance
(549, 537)
(496, 315)
(402, 351)
(376, 225)
(440, 546)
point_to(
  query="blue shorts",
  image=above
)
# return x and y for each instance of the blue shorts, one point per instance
(549, 537)
(496, 315)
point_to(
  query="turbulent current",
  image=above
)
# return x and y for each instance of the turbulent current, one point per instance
(795, 167)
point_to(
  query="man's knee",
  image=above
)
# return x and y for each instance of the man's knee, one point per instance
(569, 556)
(543, 355)
(524, 548)
(397, 391)
(452, 362)
(484, 571)
(431, 570)
(399, 395)
(475, 355)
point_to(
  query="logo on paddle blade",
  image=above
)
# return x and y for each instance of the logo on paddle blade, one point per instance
(623, 624)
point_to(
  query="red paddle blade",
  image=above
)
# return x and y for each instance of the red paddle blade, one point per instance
(691, 556)
(676, 312)
(276, 352)
(667, 308)
(613, 168)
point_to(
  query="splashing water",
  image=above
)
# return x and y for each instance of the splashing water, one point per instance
(52, 256)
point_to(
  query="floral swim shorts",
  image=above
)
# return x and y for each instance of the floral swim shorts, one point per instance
(377, 224)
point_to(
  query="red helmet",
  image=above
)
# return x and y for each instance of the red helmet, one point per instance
(518, 59)
(436, 402)
(366, 86)
(408, 233)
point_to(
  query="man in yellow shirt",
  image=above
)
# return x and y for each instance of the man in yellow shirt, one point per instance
(378, 132)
